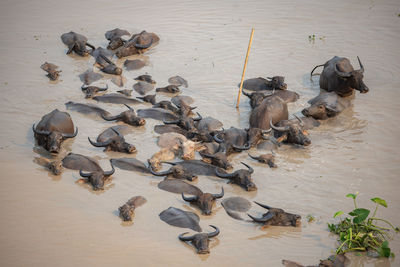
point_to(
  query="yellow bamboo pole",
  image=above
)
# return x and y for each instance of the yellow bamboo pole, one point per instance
(244, 68)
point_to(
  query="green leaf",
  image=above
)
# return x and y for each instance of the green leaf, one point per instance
(379, 201)
(353, 196)
(359, 215)
(338, 213)
(384, 250)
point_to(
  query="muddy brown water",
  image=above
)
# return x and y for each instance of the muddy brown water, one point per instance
(48, 220)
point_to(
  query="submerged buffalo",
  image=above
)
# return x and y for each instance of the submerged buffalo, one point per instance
(260, 84)
(113, 140)
(130, 164)
(179, 218)
(200, 241)
(51, 69)
(277, 217)
(137, 44)
(236, 206)
(76, 42)
(337, 260)
(204, 201)
(145, 78)
(165, 104)
(90, 91)
(339, 76)
(148, 98)
(326, 105)
(186, 123)
(116, 98)
(266, 159)
(294, 131)
(169, 89)
(179, 187)
(97, 178)
(110, 67)
(257, 97)
(178, 80)
(127, 210)
(272, 108)
(129, 117)
(86, 108)
(114, 38)
(143, 87)
(240, 177)
(176, 171)
(53, 129)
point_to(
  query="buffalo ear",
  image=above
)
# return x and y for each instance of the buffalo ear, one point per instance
(282, 138)
(305, 133)
(331, 111)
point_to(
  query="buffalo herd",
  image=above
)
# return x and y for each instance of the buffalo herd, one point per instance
(185, 133)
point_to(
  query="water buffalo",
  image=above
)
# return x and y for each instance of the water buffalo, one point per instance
(178, 80)
(116, 98)
(130, 164)
(53, 129)
(97, 178)
(294, 130)
(277, 217)
(176, 171)
(186, 123)
(137, 44)
(179, 218)
(113, 140)
(165, 104)
(200, 241)
(86, 108)
(272, 108)
(339, 76)
(236, 206)
(77, 43)
(218, 159)
(169, 89)
(257, 97)
(148, 98)
(127, 210)
(326, 105)
(179, 187)
(240, 177)
(265, 158)
(89, 77)
(233, 139)
(51, 69)
(145, 78)
(114, 36)
(90, 91)
(110, 67)
(332, 261)
(129, 117)
(134, 64)
(204, 201)
(125, 92)
(259, 84)
(157, 114)
(143, 87)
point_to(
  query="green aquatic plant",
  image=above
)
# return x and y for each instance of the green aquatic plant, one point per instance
(360, 232)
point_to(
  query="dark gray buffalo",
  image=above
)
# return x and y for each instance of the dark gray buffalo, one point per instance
(200, 241)
(129, 117)
(272, 108)
(53, 129)
(204, 201)
(76, 42)
(339, 76)
(137, 44)
(97, 178)
(326, 105)
(259, 84)
(90, 91)
(233, 140)
(114, 38)
(257, 97)
(113, 140)
(277, 217)
(240, 177)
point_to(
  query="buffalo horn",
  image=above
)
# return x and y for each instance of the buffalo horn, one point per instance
(215, 233)
(170, 122)
(224, 175)
(189, 199)
(110, 172)
(91, 46)
(159, 173)
(245, 147)
(106, 59)
(100, 144)
(220, 194)
(186, 238)
(86, 175)
(342, 73)
(300, 120)
(191, 108)
(247, 94)
(263, 219)
(198, 118)
(112, 118)
(252, 156)
(71, 135)
(130, 108)
(39, 132)
(262, 205)
(206, 155)
(361, 65)
(217, 139)
(251, 170)
(118, 133)
(280, 129)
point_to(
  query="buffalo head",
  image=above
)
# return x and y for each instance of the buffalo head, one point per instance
(254, 135)
(353, 79)
(128, 117)
(177, 171)
(265, 158)
(241, 177)
(200, 241)
(277, 217)
(54, 139)
(97, 178)
(218, 159)
(204, 201)
(186, 123)
(126, 212)
(277, 82)
(292, 133)
(320, 111)
(90, 91)
(256, 98)
(115, 143)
